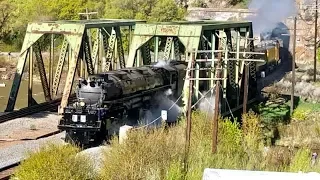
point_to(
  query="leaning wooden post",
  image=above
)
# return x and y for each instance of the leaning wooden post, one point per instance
(216, 106)
(188, 129)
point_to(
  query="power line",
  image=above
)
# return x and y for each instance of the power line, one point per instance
(315, 43)
(87, 14)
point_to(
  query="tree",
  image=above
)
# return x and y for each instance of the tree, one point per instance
(26, 11)
(166, 10)
(5, 17)
(149, 10)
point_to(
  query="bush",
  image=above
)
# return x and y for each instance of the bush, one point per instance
(159, 153)
(300, 114)
(273, 113)
(230, 152)
(301, 161)
(55, 162)
(146, 154)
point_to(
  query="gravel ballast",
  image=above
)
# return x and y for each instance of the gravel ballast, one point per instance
(16, 153)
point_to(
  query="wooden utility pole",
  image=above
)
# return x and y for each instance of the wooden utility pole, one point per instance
(293, 64)
(315, 43)
(188, 129)
(245, 88)
(87, 13)
(216, 106)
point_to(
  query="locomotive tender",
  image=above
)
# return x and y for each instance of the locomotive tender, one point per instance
(109, 100)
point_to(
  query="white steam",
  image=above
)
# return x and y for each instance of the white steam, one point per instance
(206, 105)
(168, 92)
(270, 13)
(161, 63)
(162, 102)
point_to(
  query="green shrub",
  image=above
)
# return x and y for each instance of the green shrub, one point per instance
(300, 114)
(272, 114)
(301, 161)
(252, 140)
(229, 150)
(54, 162)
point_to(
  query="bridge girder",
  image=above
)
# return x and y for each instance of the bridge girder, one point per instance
(77, 37)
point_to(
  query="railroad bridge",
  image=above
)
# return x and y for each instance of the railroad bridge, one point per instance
(94, 46)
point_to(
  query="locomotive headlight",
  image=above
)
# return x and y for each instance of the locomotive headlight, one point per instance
(83, 118)
(74, 118)
(82, 103)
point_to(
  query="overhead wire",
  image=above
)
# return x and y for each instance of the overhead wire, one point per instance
(175, 103)
(146, 125)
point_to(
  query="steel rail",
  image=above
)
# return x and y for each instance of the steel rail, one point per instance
(7, 172)
(33, 109)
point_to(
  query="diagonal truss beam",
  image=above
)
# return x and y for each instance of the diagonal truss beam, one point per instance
(75, 43)
(42, 72)
(120, 48)
(27, 43)
(61, 61)
(110, 50)
(87, 53)
(95, 50)
(168, 47)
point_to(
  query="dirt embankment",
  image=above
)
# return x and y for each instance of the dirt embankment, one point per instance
(9, 63)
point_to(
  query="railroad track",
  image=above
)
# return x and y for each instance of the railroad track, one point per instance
(7, 172)
(33, 109)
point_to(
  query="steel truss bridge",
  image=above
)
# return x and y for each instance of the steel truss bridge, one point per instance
(94, 46)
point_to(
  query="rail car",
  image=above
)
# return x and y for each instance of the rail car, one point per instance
(108, 100)
(272, 54)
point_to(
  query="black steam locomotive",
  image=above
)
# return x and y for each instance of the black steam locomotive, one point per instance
(109, 100)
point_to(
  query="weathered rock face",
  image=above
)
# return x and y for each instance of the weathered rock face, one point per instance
(207, 3)
(305, 25)
(218, 14)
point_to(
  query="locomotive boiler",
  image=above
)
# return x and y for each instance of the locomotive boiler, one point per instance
(109, 100)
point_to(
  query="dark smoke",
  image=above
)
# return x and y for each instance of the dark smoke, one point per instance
(269, 13)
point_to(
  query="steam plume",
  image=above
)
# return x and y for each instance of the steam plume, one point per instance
(269, 13)
(206, 105)
(162, 102)
(161, 63)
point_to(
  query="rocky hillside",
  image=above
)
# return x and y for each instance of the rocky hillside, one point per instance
(218, 3)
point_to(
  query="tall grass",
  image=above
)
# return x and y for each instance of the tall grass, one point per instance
(55, 162)
(146, 154)
(160, 154)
